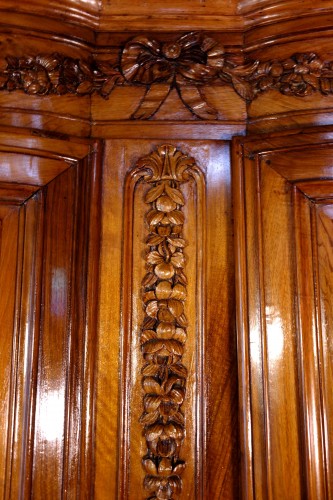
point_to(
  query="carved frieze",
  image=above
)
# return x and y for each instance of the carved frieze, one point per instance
(164, 329)
(188, 65)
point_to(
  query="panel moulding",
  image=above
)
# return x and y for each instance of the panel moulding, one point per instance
(159, 407)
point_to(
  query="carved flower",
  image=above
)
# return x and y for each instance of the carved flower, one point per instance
(162, 352)
(265, 76)
(301, 74)
(165, 266)
(163, 399)
(163, 480)
(189, 61)
(164, 440)
(53, 73)
(27, 74)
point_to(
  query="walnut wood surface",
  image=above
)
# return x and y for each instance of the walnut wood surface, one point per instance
(214, 349)
(283, 231)
(45, 248)
(190, 75)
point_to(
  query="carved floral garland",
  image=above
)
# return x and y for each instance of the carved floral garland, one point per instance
(187, 65)
(163, 334)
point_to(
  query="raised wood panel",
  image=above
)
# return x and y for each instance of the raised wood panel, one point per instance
(283, 193)
(10, 218)
(30, 170)
(48, 334)
(324, 310)
(210, 406)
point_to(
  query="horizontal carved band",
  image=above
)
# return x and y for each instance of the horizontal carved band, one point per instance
(187, 65)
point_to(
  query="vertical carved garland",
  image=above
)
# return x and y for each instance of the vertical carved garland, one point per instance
(163, 333)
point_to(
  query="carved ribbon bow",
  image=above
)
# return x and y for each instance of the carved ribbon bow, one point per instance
(185, 64)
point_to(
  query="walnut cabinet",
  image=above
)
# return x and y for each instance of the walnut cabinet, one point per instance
(166, 184)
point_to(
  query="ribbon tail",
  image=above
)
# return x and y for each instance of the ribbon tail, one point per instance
(152, 101)
(195, 101)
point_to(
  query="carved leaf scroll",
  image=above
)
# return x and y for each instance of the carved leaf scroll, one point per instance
(163, 333)
(187, 64)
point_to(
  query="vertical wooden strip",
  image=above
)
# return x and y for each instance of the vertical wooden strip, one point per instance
(310, 391)
(242, 315)
(164, 329)
(322, 217)
(10, 261)
(252, 326)
(126, 341)
(169, 330)
(201, 284)
(72, 358)
(263, 328)
(54, 338)
(27, 355)
(92, 195)
(15, 345)
(283, 431)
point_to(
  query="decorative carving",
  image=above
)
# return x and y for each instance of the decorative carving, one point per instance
(187, 64)
(300, 75)
(59, 74)
(163, 333)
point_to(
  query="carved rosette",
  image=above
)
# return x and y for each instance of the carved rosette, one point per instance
(163, 333)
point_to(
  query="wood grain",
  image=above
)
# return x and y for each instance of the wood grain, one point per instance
(48, 236)
(284, 346)
(216, 413)
(249, 67)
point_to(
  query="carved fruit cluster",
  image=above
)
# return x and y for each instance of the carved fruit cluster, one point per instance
(163, 333)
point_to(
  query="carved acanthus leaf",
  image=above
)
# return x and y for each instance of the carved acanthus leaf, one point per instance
(164, 329)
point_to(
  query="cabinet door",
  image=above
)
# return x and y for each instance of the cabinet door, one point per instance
(284, 234)
(47, 238)
(169, 429)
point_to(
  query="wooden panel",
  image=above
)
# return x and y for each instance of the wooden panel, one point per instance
(324, 216)
(210, 407)
(51, 402)
(309, 359)
(9, 260)
(123, 102)
(284, 241)
(33, 170)
(49, 323)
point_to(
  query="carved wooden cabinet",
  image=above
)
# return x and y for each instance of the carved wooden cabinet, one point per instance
(165, 287)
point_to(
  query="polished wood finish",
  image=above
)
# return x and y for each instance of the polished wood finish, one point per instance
(283, 241)
(48, 236)
(140, 75)
(210, 404)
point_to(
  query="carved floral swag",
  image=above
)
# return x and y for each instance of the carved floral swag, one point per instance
(188, 65)
(164, 329)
